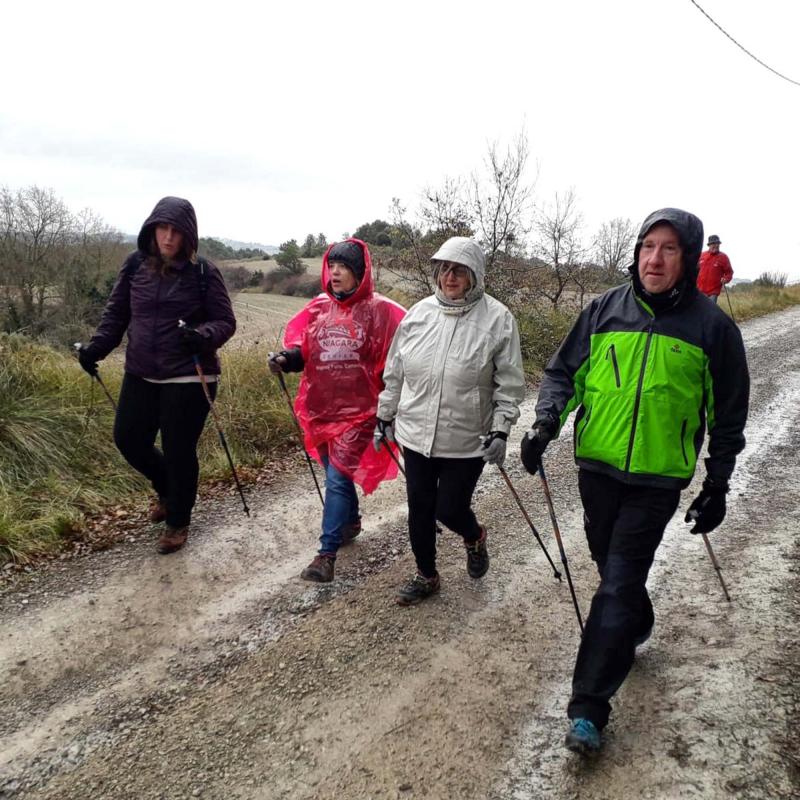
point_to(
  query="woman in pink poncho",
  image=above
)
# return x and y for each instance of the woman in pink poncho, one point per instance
(340, 341)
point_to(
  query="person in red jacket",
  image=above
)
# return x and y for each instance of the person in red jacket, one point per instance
(715, 269)
(339, 341)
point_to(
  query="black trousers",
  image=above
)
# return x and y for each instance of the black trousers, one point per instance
(439, 488)
(624, 526)
(179, 411)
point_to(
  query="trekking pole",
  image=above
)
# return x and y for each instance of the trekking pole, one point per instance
(716, 566)
(393, 455)
(77, 346)
(513, 491)
(223, 441)
(300, 434)
(549, 501)
(725, 287)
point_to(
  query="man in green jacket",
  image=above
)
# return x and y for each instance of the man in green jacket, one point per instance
(649, 366)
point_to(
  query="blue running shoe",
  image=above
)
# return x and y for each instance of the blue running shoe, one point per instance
(583, 737)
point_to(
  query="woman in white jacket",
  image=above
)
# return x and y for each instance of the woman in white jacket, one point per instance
(453, 385)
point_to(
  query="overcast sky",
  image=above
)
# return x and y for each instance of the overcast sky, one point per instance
(312, 116)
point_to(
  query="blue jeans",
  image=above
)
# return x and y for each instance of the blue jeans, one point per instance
(341, 507)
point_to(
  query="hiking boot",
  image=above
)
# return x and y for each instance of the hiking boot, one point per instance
(477, 556)
(320, 570)
(350, 531)
(172, 539)
(582, 737)
(158, 510)
(417, 589)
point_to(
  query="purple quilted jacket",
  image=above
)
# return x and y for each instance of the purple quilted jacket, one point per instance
(148, 306)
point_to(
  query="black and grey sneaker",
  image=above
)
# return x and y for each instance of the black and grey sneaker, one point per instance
(417, 589)
(477, 556)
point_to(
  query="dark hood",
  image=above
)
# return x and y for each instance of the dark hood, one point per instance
(690, 234)
(173, 211)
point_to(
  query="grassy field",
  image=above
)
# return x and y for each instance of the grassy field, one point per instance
(261, 318)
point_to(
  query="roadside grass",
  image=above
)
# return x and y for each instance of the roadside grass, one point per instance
(58, 461)
(748, 301)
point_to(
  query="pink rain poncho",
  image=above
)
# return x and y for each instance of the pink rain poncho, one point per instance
(344, 345)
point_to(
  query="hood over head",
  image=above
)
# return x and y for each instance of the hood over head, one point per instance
(341, 251)
(465, 251)
(173, 211)
(690, 233)
(351, 255)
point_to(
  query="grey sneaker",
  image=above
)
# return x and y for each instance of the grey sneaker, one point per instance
(477, 556)
(418, 589)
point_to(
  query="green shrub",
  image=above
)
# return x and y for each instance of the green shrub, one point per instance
(541, 331)
(58, 461)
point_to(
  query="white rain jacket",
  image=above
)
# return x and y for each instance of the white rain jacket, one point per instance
(454, 374)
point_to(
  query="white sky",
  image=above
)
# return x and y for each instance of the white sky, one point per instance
(309, 117)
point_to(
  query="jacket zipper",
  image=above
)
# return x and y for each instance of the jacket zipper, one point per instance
(585, 425)
(613, 352)
(638, 398)
(683, 443)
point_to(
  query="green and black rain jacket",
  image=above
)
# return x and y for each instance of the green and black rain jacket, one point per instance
(646, 385)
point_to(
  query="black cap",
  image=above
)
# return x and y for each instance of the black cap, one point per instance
(714, 239)
(351, 255)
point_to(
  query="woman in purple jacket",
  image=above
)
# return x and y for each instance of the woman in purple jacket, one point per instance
(160, 284)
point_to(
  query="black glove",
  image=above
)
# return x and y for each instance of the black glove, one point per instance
(87, 358)
(286, 361)
(383, 430)
(194, 341)
(535, 442)
(708, 509)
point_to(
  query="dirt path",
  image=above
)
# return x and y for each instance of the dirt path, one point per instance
(216, 673)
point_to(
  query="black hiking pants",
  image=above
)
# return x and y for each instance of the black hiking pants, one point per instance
(624, 525)
(178, 411)
(439, 488)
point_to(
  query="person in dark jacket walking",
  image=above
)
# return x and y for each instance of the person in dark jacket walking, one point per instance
(159, 285)
(648, 366)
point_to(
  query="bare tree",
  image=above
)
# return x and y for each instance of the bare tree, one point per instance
(53, 264)
(557, 228)
(613, 247)
(501, 199)
(36, 231)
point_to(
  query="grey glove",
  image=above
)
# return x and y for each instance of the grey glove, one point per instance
(495, 446)
(383, 430)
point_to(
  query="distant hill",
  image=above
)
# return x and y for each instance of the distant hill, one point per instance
(267, 248)
(232, 243)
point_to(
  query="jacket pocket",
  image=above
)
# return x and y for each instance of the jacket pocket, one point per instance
(683, 442)
(612, 352)
(585, 425)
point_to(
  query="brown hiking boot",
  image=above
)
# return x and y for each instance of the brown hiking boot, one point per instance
(350, 531)
(320, 570)
(172, 539)
(158, 510)
(477, 556)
